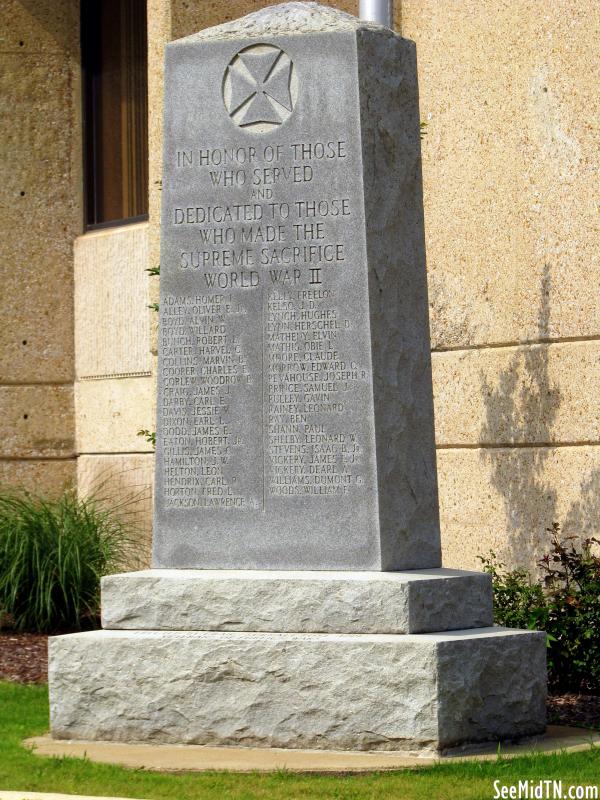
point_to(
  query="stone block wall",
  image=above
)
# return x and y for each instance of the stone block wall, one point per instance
(508, 92)
(114, 387)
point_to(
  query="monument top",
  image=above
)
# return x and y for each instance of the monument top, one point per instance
(285, 18)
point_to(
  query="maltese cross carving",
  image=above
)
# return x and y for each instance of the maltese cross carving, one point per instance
(259, 85)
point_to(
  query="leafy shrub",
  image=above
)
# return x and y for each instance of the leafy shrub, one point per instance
(565, 602)
(52, 556)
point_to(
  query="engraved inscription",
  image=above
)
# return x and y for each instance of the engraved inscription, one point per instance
(268, 327)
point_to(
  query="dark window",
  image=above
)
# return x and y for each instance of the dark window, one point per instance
(114, 56)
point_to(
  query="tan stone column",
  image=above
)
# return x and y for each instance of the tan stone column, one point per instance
(41, 200)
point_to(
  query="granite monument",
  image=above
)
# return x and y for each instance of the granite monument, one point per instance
(297, 597)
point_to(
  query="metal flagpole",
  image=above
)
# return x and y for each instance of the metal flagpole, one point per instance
(381, 11)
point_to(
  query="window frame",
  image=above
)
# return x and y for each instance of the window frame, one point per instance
(90, 133)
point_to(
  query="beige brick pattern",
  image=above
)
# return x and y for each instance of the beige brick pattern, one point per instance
(504, 499)
(111, 412)
(41, 26)
(510, 163)
(125, 483)
(37, 421)
(49, 478)
(111, 302)
(540, 394)
(41, 217)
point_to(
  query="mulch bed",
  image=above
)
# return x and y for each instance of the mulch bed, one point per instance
(578, 710)
(24, 658)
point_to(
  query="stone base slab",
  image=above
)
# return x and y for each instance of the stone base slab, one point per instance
(297, 602)
(406, 693)
(198, 758)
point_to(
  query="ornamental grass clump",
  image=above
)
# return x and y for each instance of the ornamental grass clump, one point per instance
(564, 602)
(52, 556)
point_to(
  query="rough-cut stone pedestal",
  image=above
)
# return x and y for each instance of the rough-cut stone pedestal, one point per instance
(297, 602)
(301, 660)
(413, 693)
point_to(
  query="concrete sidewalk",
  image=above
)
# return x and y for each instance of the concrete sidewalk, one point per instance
(192, 758)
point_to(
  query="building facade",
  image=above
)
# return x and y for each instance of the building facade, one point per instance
(509, 92)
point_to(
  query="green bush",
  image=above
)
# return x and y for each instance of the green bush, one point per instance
(52, 556)
(564, 602)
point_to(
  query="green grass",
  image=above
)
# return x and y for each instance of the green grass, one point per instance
(24, 712)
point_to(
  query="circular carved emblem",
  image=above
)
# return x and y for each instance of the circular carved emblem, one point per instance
(260, 87)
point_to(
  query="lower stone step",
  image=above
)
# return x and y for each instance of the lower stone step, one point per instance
(410, 693)
(415, 601)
